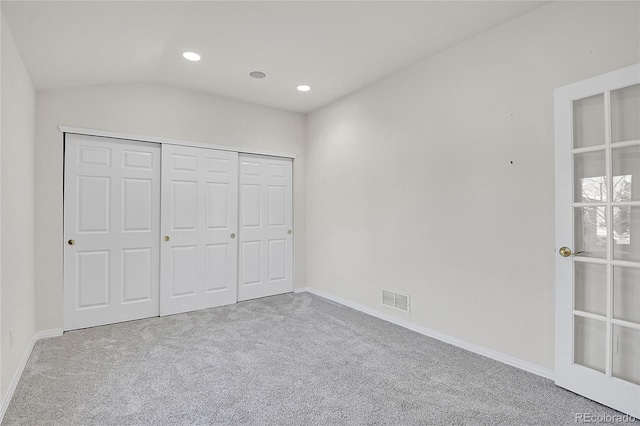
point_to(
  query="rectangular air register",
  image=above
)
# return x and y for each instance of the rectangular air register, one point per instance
(395, 300)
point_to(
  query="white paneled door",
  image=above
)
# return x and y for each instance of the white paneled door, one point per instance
(111, 228)
(266, 239)
(598, 238)
(154, 231)
(199, 226)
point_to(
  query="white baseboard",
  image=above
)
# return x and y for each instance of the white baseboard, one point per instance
(45, 334)
(27, 353)
(471, 347)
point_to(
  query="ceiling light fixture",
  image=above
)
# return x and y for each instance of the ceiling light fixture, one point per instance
(258, 74)
(191, 56)
(304, 88)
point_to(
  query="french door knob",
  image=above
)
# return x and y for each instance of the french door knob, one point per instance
(566, 252)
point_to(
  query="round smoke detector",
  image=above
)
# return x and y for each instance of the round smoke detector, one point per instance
(258, 74)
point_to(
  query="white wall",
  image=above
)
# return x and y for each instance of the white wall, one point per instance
(410, 185)
(150, 110)
(17, 312)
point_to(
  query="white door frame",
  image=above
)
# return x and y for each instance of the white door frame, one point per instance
(160, 140)
(574, 377)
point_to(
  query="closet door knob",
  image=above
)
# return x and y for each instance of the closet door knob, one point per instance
(71, 242)
(166, 238)
(233, 235)
(289, 231)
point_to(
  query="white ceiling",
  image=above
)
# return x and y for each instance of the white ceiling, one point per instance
(336, 47)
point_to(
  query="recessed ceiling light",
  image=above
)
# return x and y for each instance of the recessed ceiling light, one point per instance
(191, 56)
(257, 74)
(304, 88)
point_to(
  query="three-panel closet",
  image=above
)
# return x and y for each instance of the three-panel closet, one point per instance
(157, 229)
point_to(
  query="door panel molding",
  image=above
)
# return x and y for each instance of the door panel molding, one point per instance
(266, 226)
(199, 213)
(112, 215)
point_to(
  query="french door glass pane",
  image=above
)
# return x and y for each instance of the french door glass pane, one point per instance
(591, 288)
(590, 183)
(626, 233)
(626, 294)
(626, 173)
(626, 354)
(589, 343)
(625, 110)
(588, 121)
(591, 231)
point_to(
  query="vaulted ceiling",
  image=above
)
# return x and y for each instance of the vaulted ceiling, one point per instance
(336, 47)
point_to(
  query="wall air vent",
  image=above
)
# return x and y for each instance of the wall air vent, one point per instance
(395, 300)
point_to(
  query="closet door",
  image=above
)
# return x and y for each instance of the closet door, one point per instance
(266, 224)
(111, 229)
(199, 226)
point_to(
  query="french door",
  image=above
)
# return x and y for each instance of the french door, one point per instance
(111, 227)
(266, 240)
(597, 137)
(199, 226)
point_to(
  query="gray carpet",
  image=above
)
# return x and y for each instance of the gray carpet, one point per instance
(293, 359)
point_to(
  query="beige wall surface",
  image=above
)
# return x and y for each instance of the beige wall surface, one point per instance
(17, 311)
(438, 181)
(148, 110)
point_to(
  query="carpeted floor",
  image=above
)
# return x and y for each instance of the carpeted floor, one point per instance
(294, 359)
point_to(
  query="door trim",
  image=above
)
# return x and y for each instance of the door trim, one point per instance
(156, 139)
